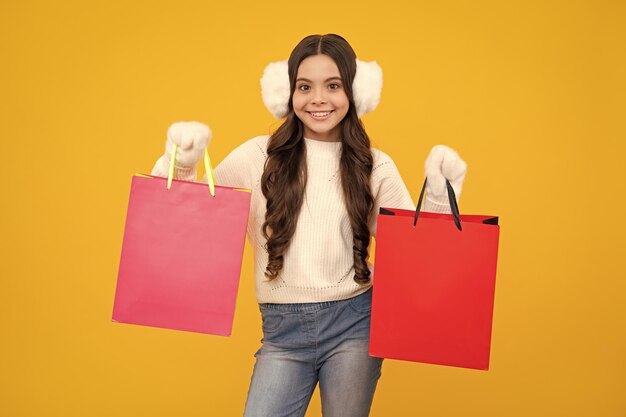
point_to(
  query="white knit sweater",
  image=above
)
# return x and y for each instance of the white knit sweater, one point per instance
(318, 265)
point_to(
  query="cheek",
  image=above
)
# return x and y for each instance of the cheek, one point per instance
(343, 102)
(297, 102)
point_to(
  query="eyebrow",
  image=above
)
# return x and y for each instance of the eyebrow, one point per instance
(327, 79)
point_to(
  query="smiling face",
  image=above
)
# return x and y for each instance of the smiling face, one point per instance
(319, 99)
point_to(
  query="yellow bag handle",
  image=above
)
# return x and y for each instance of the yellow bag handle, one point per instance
(207, 166)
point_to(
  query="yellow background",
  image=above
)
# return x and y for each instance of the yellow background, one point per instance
(531, 94)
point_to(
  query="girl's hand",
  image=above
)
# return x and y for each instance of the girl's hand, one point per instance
(444, 163)
(191, 138)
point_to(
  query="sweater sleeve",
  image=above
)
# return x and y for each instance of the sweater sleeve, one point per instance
(243, 167)
(388, 188)
(161, 169)
(434, 205)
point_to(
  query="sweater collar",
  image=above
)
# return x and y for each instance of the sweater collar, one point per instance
(321, 147)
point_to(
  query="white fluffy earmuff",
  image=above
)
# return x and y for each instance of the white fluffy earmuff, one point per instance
(366, 87)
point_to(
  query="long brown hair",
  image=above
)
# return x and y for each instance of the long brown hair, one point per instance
(284, 177)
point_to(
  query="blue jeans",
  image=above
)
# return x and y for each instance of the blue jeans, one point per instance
(310, 342)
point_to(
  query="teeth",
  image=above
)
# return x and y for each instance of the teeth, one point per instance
(320, 114)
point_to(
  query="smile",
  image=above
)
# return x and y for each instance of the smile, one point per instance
(320, 115)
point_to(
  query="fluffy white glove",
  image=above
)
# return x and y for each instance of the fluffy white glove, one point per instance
(192, 138)
(443, 163)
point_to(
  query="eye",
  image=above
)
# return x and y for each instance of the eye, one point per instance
(303, 87)
(336, 86)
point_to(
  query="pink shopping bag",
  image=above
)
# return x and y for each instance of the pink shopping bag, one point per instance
(181, 255)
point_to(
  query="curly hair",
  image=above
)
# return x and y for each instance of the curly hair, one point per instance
(284, 176)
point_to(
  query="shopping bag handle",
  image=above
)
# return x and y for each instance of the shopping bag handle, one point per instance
(453, 204)
(207, 166)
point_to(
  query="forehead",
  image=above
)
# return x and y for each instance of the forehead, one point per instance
(318, 68)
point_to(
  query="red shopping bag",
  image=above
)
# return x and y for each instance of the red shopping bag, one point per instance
(434, 283)
(181, 255)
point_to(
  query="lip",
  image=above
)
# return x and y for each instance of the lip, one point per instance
(320, 111)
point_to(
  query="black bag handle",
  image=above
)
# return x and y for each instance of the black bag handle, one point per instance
(453, 204)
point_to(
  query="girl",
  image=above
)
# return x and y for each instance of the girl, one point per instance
(317, 187)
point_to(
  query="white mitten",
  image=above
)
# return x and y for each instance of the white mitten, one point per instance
(443, 163)
(192, 138)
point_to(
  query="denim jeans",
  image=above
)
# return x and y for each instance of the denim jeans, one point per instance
(310, 342)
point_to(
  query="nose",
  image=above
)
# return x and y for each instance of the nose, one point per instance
(319, 96)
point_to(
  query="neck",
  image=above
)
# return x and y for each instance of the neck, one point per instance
(320, 147)
(331, 136)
